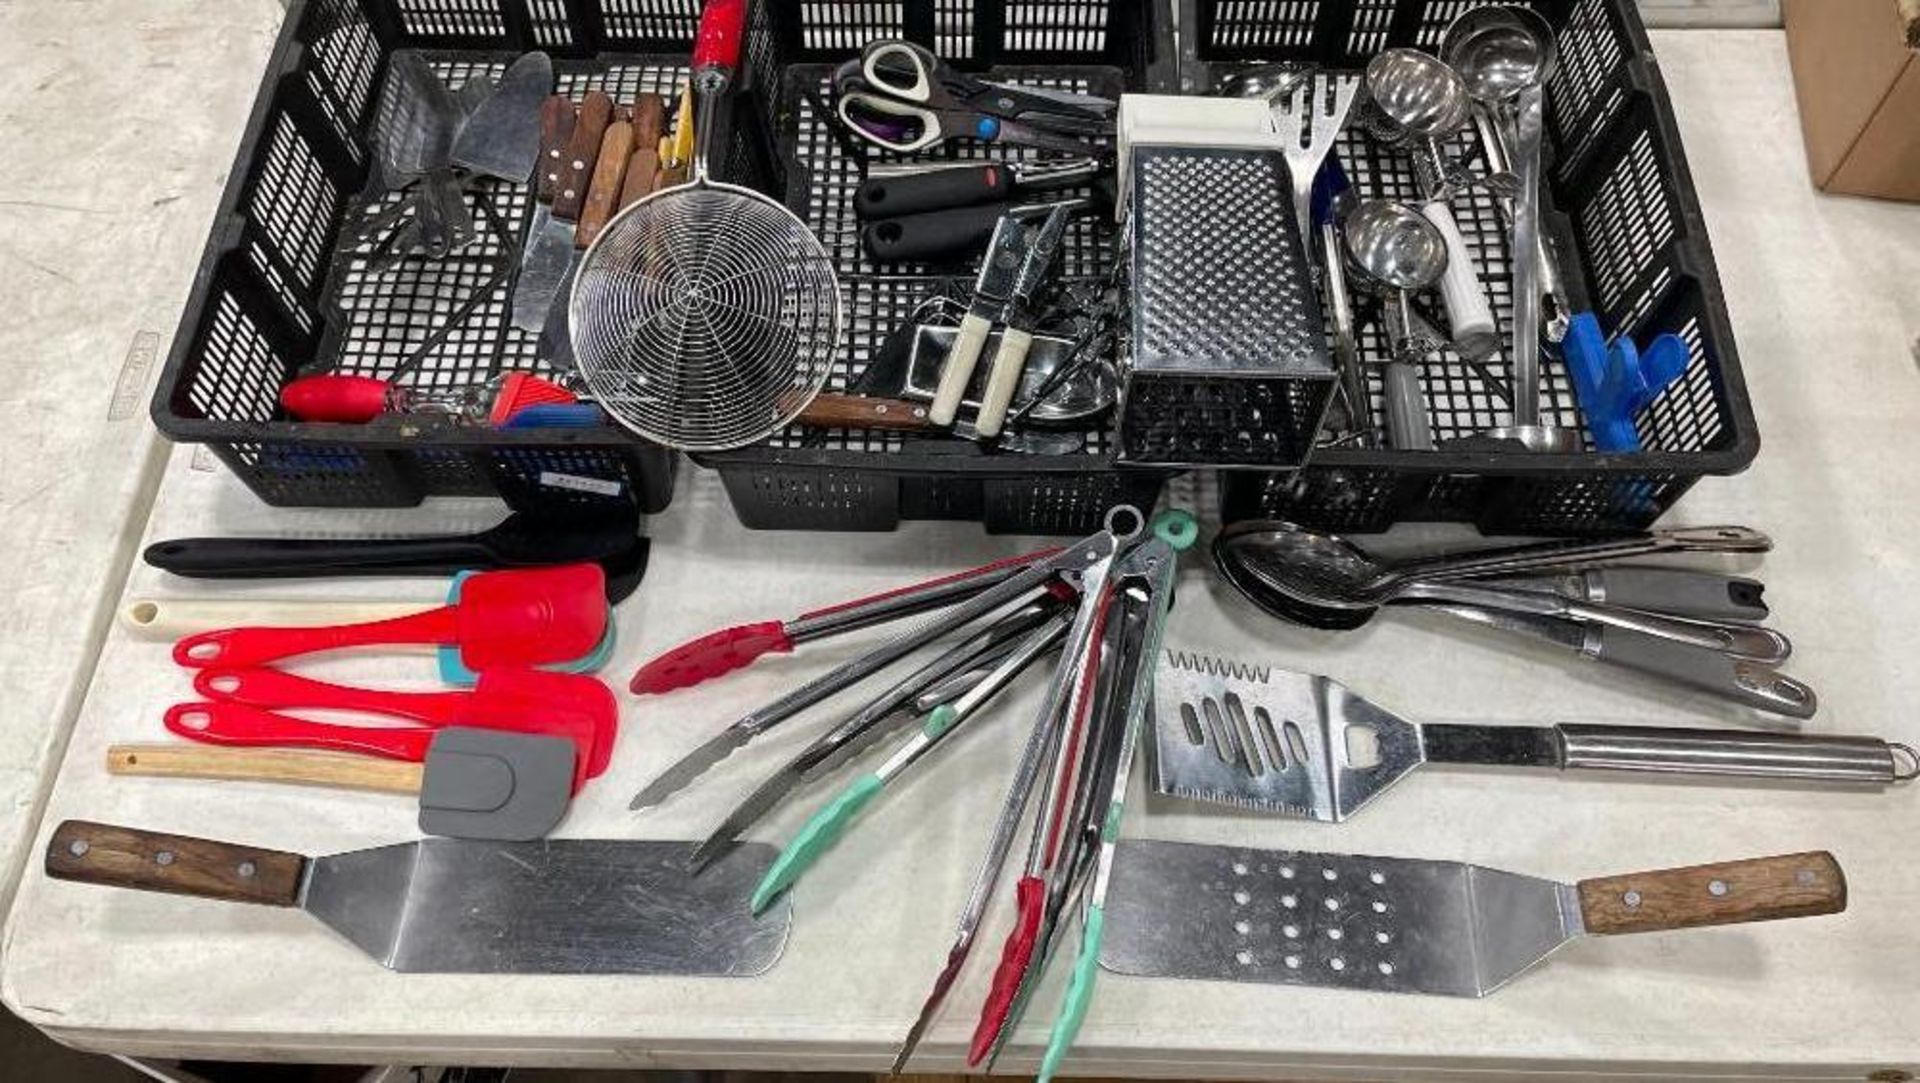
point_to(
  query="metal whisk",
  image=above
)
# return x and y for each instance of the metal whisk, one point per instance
(706, 316)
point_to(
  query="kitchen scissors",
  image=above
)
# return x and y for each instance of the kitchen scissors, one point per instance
(904, 99)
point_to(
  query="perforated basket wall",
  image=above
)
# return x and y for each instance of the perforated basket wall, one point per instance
(1628, 225)
(285, 286)
(814, 479)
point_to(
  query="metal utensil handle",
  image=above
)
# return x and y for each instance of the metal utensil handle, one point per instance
(1561, 554)
(1346, 350)
(1738, 640)
(1525, 251)
(908, 600)
(1733, 752)
(1751, 683)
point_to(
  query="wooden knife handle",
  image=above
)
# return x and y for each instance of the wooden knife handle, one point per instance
(642, 168)
(649, 119)
(859, 412)
(556, 131)
(603, 195)
(583, 148)
(92, 853)
(331, 769)
(1731, 892)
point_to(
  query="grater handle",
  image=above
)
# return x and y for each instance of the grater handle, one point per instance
(1727, 893)
(957, 372)
(1003, 379)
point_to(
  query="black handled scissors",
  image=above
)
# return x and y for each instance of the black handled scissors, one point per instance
(905, 99)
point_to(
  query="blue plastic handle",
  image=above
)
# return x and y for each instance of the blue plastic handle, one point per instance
(1613, 384)
(556, 415)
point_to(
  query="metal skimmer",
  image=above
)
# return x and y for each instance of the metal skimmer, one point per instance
(706, 316)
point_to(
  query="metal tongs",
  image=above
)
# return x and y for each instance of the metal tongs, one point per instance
(1021, 577)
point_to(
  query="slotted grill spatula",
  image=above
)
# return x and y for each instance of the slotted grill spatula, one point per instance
(1387, 924)
(1295, 744)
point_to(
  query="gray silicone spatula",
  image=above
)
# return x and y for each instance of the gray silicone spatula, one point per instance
(1387, 924)
(474, 783)
(462, 906)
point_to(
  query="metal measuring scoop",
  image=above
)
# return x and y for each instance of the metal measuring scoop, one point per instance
(1415, 102)
(1504, 55)
(1396, 252)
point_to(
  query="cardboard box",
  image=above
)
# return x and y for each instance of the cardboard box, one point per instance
(1857, 74)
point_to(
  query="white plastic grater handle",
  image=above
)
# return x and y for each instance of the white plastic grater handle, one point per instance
(957, 372)
(170, 618)
(1470, 317)
(1003, 380)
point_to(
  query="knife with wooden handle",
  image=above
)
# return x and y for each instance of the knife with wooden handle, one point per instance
(583, 150)
(603, 194)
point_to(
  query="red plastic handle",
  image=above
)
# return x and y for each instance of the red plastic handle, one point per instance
(353, 400)
(232, 647)
(238, 724)
(723, 24)
(710, 656)
(275, 690)
(1030, 894)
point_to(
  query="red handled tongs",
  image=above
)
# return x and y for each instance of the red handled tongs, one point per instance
(728, 649)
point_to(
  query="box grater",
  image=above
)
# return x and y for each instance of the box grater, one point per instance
(1229, 363)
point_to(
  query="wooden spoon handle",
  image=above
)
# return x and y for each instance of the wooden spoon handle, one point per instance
(1727, 893)
(331, 769)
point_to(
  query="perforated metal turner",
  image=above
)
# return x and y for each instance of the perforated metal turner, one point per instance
(1394, 925)
(1298, 745)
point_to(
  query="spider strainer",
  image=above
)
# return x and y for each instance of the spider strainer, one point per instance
(706, 316)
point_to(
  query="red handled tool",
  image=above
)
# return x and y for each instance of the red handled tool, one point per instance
(524, 700)
(236, 724)
(506, 619)
(733, 648)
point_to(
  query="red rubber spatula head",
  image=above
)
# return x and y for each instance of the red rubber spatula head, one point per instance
(353, 400)
(531, 616)
(561, 704)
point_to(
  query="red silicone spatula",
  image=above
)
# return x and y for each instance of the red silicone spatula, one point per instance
(505, 619)
(527, 700)
(239, 725)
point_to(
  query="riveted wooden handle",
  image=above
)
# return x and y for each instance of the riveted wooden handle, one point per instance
(93, 853)
(331, 769)
(1728, 893)
(556, 131)
(829, 411)
(642, 168)
(649, 119)
(603, 195)
(583, 150)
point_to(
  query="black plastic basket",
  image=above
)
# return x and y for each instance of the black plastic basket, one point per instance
(283, 287)
(1629, 229)
(812, 479)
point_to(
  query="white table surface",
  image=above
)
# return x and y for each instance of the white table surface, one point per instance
(1825, 295)
(121, 122)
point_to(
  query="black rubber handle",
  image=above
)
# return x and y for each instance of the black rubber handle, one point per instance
(274, 558)
(939, 189)
(931, 236)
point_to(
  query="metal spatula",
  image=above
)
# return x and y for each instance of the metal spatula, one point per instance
(1299, 745)
(457, 906)
(1387, 924)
